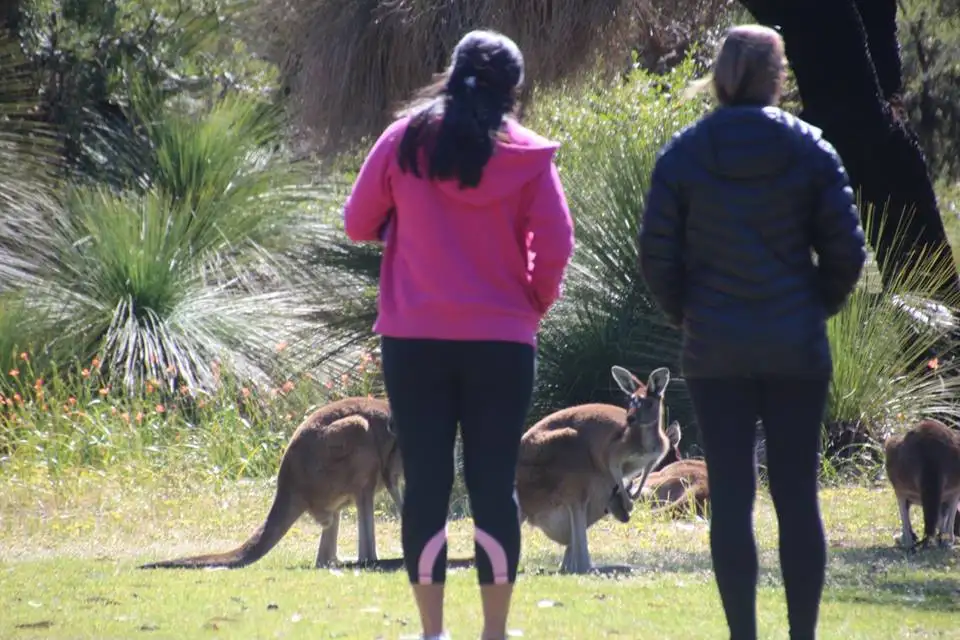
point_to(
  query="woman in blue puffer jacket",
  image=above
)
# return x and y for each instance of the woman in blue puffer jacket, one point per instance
(738, 205)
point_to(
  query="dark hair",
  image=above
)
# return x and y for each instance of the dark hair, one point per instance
(455, 120)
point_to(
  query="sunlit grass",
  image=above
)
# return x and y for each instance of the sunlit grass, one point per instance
(69, 549)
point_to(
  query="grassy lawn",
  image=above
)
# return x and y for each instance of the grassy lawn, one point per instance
(69, 549)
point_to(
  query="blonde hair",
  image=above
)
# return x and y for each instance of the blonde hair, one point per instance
(749, 70)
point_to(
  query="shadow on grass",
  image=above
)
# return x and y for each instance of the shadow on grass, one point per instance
(887, 575)
(543, 565)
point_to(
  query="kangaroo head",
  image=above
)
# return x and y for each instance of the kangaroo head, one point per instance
(645, 401)
(673, 434)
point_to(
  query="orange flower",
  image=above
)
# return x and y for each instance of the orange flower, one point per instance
(38, 384)
(125, 416)
(113, 411)
(245, 392)
(71, 401)
(149, 388)
(160, 408)
(104, 390)
(288, 386)
(17, 398)
(25, 357)
(282, 345)
(85, 373)
(328, 384)
(184, 390)
(934, 363)
(139, 416)
(95, 363)
(14, 373)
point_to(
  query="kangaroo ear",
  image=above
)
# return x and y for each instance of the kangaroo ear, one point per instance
(673, 433)
(658, 381)
(627, 382)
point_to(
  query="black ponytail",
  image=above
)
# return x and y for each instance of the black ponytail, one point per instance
(455, 128)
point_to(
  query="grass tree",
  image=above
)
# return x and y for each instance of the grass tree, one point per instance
(190, 267)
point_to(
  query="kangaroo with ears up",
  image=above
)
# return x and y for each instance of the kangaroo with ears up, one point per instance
(574, 463)
(341, 454)
(923, 465)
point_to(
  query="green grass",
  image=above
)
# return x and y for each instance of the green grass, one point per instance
(69, 549)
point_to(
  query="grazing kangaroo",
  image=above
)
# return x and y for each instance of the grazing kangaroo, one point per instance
(574, 462)
(341, 454)
(923, 466)
(677, 485)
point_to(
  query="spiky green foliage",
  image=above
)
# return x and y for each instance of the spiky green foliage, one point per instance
(192, 268)
(610, 137)
(894, 351)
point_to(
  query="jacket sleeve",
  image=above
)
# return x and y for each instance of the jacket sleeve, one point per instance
(661, 241)
(550, 230)
(837, 236)
(370, 204)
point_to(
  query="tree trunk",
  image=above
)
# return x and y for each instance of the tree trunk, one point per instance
(847, 68)
(10, 15)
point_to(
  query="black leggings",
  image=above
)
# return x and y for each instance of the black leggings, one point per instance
(486, 387)
(791, 410)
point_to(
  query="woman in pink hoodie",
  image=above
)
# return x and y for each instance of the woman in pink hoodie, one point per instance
(477, 237)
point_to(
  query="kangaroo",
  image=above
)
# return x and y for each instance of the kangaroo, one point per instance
(574, 462)
(678, 485)
(923, 466)
(340, 454)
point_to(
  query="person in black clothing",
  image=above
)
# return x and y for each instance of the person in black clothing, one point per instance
(738, 203)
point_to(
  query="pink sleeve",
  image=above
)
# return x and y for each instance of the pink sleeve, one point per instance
(370, 203)
(550, 230)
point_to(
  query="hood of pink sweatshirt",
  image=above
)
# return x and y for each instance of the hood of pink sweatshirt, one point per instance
(481, 263)
(514, 163)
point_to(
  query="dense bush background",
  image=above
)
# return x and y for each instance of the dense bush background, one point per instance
(175, 287)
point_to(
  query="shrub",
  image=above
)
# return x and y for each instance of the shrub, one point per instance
(192, 265)
(611, 134)
(894, 359)
(929, 32)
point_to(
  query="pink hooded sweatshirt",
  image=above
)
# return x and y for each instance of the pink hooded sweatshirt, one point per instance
(482, 263)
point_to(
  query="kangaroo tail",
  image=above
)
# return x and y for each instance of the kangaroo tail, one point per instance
(286, 509)
(931, 494)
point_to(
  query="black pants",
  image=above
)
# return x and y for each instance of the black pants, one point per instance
(486, 387)
(791, 410)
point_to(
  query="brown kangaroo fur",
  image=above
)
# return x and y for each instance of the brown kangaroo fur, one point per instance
(341, 454)
(678, 485)
(923, 466)
(574, 462)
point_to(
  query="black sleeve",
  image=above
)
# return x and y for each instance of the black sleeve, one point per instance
(661, 240)
(837, 236)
